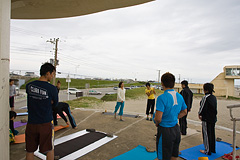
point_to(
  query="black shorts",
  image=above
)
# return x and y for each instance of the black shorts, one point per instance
(168, 140)
(11, 101)
(41, 135)
(150, 105)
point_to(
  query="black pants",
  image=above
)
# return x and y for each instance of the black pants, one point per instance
(150, 105)
(168, 140)
(60, 108)
(183, 125)
(11, 101)
(209, 140)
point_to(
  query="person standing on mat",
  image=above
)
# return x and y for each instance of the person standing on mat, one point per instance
(169, 107)
(59, 109)
(120, 100)
(151, 100)
(12, 93)
(208, 115)
(188, 98)
(41, 97)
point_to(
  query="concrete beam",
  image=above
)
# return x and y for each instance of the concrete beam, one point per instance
(46, 9)
(4, 77)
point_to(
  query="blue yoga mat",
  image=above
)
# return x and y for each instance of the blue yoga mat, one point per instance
(22, 114)
(194, 152)
(138, 153)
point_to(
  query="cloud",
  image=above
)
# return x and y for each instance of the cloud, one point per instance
(195, 39)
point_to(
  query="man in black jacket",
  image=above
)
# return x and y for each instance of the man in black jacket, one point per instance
(188, 98)
(208, 115)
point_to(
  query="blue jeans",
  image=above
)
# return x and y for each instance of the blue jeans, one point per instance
(121, 108)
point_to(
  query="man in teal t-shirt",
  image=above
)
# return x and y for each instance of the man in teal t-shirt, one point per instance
(169, 108)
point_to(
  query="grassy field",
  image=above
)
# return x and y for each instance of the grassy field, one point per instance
(130, 94)
(80, 83)
(84, 102)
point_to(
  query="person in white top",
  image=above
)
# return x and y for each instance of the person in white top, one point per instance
(120, 100)
(12, 93)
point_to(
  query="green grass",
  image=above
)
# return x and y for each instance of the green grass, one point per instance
(233, 98)
(131, 94)
(80, 83)
(84, 102)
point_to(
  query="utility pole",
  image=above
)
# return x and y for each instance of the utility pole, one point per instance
(179, 78)
(158, 78)
(55, 41)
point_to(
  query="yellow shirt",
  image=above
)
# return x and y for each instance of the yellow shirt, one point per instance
(151, 96)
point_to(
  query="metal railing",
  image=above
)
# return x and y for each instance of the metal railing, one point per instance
(231, 107)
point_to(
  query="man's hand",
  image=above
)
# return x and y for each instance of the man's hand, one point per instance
(182, 113)
(200, 117)
(156, 124)
(121, 101)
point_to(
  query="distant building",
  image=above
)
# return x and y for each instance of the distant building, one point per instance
(30, 74)
(224, 82)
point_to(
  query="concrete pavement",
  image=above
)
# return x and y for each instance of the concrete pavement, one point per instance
(131, 133)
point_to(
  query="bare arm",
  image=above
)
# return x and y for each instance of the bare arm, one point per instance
(158, 118)
(182, 113)
(154, 91)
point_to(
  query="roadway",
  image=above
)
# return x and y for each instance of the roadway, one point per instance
(63, 96)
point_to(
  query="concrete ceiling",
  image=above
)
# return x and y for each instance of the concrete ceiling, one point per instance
(48, 9)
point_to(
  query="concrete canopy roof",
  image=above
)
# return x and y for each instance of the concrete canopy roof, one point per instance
(49, 9)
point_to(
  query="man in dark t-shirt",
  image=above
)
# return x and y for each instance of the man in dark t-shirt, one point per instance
(41, 97)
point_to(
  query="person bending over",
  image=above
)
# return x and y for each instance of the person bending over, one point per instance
(59, 109)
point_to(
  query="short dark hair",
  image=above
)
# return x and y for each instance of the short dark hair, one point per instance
(59, 81)
(184, 82)
(147, 84)
(168, 80)
(12, 114)
(10, 80)
(208, 87)
(47, 67)
(119, 85)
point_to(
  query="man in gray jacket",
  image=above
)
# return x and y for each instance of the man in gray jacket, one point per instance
(12, 93)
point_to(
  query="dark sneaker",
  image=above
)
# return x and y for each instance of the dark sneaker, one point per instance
(147, 118)
(121, 120)
(150, 119)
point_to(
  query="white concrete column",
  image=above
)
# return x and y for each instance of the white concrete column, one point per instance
(5, 6)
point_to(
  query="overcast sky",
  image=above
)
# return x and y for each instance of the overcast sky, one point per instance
(195, 39)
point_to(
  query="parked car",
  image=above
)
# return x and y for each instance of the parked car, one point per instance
(127, 88)
(73, 90)
(109, 93)
(115, 88)
(132, 87)
(94, 92)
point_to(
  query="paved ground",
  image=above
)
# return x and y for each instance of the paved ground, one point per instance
(131, 133)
